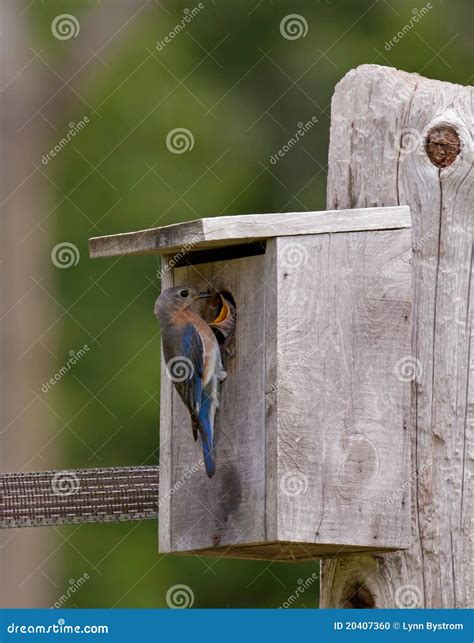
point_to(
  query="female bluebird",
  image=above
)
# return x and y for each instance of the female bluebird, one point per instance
(191, 351)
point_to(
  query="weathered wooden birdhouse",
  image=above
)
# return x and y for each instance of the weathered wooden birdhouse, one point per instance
(312, 441)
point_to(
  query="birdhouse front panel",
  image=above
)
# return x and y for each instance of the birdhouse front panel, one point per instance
(198, 512)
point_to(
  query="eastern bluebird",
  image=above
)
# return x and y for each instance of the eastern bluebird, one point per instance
(191, 350)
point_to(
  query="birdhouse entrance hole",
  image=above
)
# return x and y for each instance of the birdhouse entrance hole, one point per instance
(221, 314)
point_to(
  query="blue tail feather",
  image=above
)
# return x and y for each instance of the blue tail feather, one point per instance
(207, 437)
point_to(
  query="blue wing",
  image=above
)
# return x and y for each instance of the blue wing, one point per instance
(187, 344)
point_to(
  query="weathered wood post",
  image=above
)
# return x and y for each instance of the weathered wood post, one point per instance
(398, 138)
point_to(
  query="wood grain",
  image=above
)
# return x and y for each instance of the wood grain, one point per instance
(222, 231)
(166, 433)
(381, 119)
(341, 413)
(196, 512)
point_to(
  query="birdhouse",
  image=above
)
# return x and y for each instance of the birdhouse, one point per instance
(312, 434)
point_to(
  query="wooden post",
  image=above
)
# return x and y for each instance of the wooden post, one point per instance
(398, 138)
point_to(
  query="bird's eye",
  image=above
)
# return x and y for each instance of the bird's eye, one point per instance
(184, 293)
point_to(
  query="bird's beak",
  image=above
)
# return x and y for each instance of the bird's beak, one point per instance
(203, 295)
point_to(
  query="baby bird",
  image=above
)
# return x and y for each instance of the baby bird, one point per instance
(194, 362)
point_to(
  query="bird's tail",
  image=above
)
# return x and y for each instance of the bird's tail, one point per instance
(206, 430)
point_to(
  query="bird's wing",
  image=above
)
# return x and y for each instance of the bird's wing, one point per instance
(189, 346)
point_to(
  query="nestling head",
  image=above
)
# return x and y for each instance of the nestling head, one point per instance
(177, 298)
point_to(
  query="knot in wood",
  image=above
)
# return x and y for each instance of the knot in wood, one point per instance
(357, 596)
(358, 463)
(442, 145)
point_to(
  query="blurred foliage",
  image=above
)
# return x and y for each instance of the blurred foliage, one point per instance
(241, 88)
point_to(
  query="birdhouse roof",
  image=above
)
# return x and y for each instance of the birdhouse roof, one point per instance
(217, 232)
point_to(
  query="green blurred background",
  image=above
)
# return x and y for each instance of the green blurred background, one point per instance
(241, 89)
